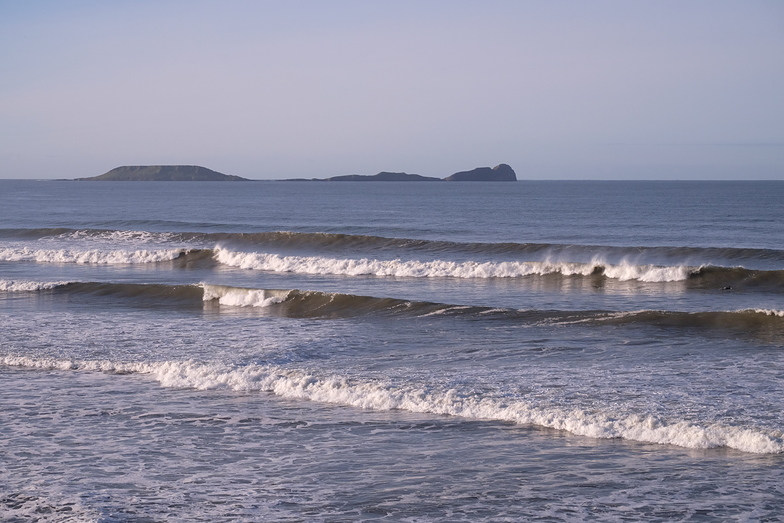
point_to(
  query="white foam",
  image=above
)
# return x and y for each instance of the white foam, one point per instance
(298, 384)
(648, 273)
(29, 286)
(442, 268)
(239, 297)
(770, 312)
(92, 256)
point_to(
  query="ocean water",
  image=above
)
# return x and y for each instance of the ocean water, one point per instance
(294, 351)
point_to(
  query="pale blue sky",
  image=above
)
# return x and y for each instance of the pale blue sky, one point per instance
(280, 89)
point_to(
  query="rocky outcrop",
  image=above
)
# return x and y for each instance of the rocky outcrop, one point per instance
(383, 177)
(163, 173)
(499, 173)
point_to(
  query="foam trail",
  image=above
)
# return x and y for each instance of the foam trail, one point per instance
(442, 268)
(298, 384)
(92, 256)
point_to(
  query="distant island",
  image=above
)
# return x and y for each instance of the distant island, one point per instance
(195, 173)
(499, 173)
(163, 173)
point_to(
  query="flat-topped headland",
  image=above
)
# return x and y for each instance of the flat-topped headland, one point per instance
(163, 173)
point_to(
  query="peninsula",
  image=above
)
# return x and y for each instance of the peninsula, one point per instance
(163, 173)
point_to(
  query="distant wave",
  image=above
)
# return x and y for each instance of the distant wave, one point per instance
(425, 398)
(329, 242)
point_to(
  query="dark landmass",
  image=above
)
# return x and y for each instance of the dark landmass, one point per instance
(163, 173)
(383, 177)
(499, 173)
(195, 173)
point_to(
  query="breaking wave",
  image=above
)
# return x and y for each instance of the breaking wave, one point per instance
(89, 256)
(426, 398)
(325, 242)
(29, 286)
(442, 268)
(239, 297)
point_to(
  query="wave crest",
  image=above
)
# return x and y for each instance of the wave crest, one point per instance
(377, 395)
(444, 269)
(241, 297)
(29, 286)
(90, 256)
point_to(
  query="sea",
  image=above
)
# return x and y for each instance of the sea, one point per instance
(325, 351)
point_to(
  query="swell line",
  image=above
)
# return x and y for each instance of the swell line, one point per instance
(294, 303)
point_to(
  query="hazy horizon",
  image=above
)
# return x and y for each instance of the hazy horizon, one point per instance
(277, 90)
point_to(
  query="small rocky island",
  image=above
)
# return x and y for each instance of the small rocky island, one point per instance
(163, 173)
(499, 173)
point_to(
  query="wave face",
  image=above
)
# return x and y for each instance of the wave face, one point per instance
(366, 394)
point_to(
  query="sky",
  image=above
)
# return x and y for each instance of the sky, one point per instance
(686, 89)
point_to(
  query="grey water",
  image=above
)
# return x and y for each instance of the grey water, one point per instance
(316, 351)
